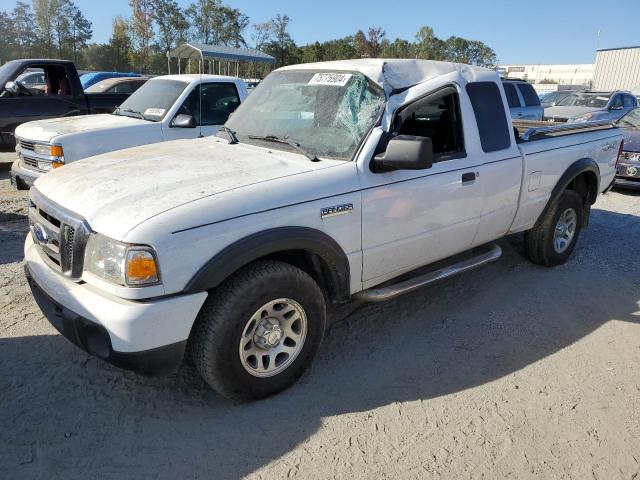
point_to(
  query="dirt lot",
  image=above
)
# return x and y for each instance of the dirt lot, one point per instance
(511, 371)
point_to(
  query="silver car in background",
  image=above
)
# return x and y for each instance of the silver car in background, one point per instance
(553, 98)
(591, 106)
(524, 103)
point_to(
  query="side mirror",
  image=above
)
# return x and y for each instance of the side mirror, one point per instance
(406, 152)
(183, 121)
(12, 88)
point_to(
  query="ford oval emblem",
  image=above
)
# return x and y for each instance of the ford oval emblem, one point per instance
(40, 233)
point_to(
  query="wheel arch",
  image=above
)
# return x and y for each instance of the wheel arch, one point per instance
(309, 249)
(583, 177)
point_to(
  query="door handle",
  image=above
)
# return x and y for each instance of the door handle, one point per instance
(468, 177)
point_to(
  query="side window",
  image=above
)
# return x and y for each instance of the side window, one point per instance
(617, 101)
(135, 85)
(437, 117)
(490, 116)
(56, 81)
(530, 96)
(512, 96)
(219, 100)
(124, 87)
(31, 81)
(629, 101)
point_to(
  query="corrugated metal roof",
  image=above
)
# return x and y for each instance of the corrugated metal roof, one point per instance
(617, 69)
(618, 48)
(194, 50)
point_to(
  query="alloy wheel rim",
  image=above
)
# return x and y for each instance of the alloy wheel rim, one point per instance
(565, 230)
(273, 337)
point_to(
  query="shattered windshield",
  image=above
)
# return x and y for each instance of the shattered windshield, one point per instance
(325, 113)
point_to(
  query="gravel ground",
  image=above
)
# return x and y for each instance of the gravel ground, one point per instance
(510, 371)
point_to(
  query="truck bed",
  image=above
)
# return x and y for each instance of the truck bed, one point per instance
(531, 130)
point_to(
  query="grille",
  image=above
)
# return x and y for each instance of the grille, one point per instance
(60, 235)
(69, 234)
(30, 162)
(27, 145)
(631, 156)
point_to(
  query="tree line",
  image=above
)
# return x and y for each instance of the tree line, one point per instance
(139, 42)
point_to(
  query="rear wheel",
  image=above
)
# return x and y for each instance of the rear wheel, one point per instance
(258, 332)
(552, 240)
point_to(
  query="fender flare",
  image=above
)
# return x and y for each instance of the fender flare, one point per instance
(576, 168)
(270, 242)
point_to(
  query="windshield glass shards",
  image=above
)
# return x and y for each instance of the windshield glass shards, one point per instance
(325, 114)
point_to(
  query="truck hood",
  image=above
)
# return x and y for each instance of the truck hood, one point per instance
(47, 130)
(568, 112)
(119, 190)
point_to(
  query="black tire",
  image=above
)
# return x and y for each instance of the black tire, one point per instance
(223, 318)
(539, 241)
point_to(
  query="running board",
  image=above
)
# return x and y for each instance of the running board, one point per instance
(491, 252)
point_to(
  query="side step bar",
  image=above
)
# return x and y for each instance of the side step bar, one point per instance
(382, 294)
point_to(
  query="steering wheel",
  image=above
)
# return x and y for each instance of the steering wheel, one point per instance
(24, 89)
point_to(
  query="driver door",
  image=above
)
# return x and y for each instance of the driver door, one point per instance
(210, 111)
(32, 104)
(412, 218)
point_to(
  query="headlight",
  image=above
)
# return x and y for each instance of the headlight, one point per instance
(41, 149)
(121, 263)
(54, 152)
(583, 118)
(48, 150)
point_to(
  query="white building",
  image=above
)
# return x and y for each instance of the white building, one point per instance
(617, 69)
(580, 74)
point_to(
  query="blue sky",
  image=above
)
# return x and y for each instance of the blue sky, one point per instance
(539, 31)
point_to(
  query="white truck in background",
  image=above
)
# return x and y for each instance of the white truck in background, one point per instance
(165, 108)
(333, 181)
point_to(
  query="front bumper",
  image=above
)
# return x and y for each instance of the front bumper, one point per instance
(628, 175)
(626, 183)
(148, 337)
(22, 178)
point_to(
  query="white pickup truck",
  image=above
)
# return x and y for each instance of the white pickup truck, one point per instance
(333, 181)
(164, 108)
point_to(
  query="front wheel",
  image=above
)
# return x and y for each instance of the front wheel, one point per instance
(552, 239)
(258, 332)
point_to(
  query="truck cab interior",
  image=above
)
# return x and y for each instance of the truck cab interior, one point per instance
(437, 117)
(54, 81)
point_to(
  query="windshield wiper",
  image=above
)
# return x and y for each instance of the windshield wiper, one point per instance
(233, 139)
(286, 141)
(128, 110)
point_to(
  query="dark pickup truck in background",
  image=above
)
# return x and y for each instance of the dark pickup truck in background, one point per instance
(62, 96)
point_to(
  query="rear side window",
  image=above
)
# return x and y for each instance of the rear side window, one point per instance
(629, 101)
(530, 96)
(512, 95)
(489, 111)
(617, 101)
(121, 88)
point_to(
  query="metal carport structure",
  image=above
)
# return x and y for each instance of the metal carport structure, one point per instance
(217, 55)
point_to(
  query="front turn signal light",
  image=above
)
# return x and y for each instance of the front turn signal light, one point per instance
(56, 151)
(142, 268)
(57, 164)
